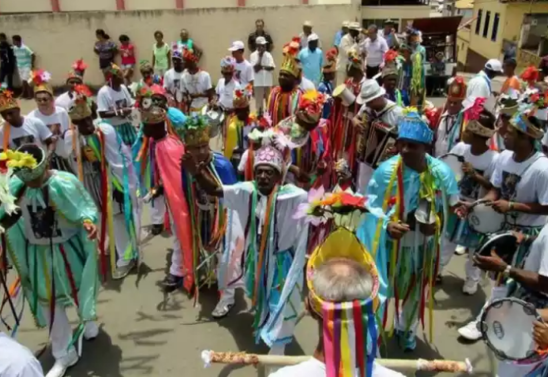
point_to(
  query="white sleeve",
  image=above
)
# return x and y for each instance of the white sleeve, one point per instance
(236, 196)
(541, 184)
(128, 96)
(65, 121)
(250, 73)
(491, 169)
(218, 88)
(543, 265)
(458, 149)
(167, 81)
(113, 152)
(496, 178)
(103, 101)
(271, 60)
(253, 58)
(64, 146)
(207, 82)
(243, 161)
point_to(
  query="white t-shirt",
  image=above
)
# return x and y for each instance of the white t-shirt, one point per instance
(198, 83)
(244, 72)
(374, 50)
(545, 139)
(446, 129)
(64, 101)
(524, 182)
(263, 78)
(484, 164)
(172, 83)
(109, 100)
(537, 260)
(225, 92)
(479, 86)
(58, 122)
(33, 130)
(17, 360)
(315, 368)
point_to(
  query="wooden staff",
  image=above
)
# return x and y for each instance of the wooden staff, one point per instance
(243, 358)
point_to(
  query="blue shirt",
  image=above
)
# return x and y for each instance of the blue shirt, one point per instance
(312, 63)
(338, 38)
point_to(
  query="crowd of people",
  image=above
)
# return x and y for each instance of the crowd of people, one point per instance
(346, 192)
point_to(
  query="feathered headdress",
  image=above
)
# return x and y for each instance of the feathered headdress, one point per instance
(189, 55)
(311, 106)
(472, 116)
(77, 71)
(291, 63)
(81, 103)
(196, 131)
(530, 75)
(7, 100)
(330, 60)
(473, 111)
(241, 97)
(457, 88)
(40, 81)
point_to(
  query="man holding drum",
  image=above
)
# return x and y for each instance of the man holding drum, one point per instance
(520, 192)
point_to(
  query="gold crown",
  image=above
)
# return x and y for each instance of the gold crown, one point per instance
(196, 136)
(7, 101)
(153, 115)
(44, 87)
(80, 110)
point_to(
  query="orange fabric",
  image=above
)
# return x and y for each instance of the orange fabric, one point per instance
(511, 82)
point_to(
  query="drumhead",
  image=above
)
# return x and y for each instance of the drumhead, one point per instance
(505, 245)
(455, 163)
(484, 219)
(506, 327)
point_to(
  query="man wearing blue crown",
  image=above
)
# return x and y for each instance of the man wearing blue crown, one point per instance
(409, 197)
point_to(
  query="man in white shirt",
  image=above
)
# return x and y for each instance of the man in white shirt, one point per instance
(480, 85)
(227, 84)
(449, 127)
(173, 77)
(348, 43)
(307, 31)
(17, 360)
(263, 64)
(244, 70)
(374, 48)
(389, 34)
(337, 280)
(196, 84)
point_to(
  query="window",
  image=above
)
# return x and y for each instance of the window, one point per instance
(478, 21)
(495, 27)
(486, 25)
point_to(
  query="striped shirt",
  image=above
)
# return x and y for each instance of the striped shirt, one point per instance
(23, 55)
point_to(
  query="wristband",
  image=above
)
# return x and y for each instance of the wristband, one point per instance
(506, 272)
(510, 206)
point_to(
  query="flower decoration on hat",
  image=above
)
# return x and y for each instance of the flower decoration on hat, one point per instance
(81, 103)
(522, 123)
(113, 71)
(311, 106)
(79, 66)
(354, 59)
(228, 64)
(189, 55)
(530, 75)
(265, 121)
(151, 112)
(7, 200)
(414, 127)
(473, 112)
(472, 119)
(291, 63)
(195, 131)
(7, 100)
(242, 96)
(457, 88)
(330, 60)
(40, 81)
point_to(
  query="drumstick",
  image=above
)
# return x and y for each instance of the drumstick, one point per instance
(243, 358)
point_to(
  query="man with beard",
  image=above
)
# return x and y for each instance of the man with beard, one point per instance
(275, 244)
(406, 211)
(284, 98)
(101, 161)
(172, 80)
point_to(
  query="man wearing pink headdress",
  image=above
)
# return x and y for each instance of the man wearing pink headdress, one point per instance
(272, 251)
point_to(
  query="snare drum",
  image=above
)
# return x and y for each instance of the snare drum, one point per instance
(455, 163)
(458, 231)
(379, 146)
(506, 326)
(484, 219)
(504, 243)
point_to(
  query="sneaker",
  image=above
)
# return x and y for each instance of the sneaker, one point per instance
(91, 330)
(460, 250)
(470, 287)
(172, 282)
(61, 365)
(470, 331)
(157, 229)
(122, 272)
(222, 309)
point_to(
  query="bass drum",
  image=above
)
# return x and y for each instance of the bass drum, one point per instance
(484, 219)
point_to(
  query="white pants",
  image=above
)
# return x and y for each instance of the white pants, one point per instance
(61, 331)
(365, 172)
(176, 268)
(446, 253)
(158, 210)
(261, 96)
(473, 273)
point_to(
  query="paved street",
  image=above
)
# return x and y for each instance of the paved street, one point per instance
(144, 333)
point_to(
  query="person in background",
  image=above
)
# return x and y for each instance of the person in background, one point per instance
(161, 55)
(438, 73)
(188, 43)
(305, 84)
(450, 125)
(172, 80)
(340, 34)
(390, 84)
(75, 77)
(311, 59)
(227, 84)
(374, 48)
(389, 34)
(259, 32)
(326, 86)
(105, 49)
(348, 43)
(148, 77)
(196, 85)
(263, 64)
(7, 62)
(25, 64)
(480, 85)
(127, 51)
(244, 70)
(307, 31)
(512, 80)
(17, 360)
(509, 51)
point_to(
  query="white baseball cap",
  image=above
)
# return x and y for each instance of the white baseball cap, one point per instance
(346, 23)
(236, 46)
(261, 41)
(313, 37)
(308, 23)
(494, 65)
(370, 91)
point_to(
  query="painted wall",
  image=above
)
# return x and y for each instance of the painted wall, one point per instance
(395, 12)
(60, 39)
(12, 6)
(79, 6)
